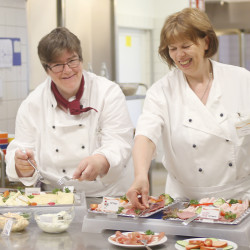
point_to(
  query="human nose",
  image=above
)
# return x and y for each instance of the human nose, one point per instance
(180, 53)
(66, 67)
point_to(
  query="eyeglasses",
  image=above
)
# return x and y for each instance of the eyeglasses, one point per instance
(60, 67)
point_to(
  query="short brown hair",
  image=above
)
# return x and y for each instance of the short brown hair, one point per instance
(191, 24)
(55, 43)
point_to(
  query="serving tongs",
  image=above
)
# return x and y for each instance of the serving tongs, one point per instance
(186, 222)
(40, 177)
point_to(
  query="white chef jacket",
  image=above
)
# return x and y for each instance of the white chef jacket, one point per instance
(202, 152)
(61, 140)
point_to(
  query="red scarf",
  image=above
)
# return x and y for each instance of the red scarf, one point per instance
(74, 106)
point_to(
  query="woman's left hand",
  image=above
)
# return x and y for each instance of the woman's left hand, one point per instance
(90, 167)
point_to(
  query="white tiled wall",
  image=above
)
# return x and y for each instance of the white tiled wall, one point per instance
(14, 79)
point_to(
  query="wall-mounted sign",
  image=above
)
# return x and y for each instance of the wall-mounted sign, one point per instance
(10, 52)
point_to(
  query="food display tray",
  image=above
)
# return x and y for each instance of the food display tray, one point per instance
(79, 205)
(240, 233)
(180, 205)
(131, 215)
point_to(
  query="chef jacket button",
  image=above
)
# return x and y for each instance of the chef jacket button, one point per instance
(53, 126)
(190, 120)
(221, 114)
(227, 140)
(57, 150)
(80, 125)
(200, 169)
(52, 105)
(230, 164)
(64, 171)
(194, 146)
(83, 147)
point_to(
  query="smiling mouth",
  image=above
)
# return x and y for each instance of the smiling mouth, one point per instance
(65, 78)
(183, 63)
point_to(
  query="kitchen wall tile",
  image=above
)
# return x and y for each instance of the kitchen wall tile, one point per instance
(12, 108)
(12, 90)
(15, 79)
(3, 109)
(4, 125)
(11, 125)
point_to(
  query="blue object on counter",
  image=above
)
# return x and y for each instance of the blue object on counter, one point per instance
(4, 146)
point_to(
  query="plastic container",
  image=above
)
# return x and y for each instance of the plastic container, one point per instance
(20, 220)
(54, 220)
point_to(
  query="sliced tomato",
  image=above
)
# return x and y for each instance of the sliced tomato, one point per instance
(222, 213)
(189, 247)
(195, 242)
(33, 204)
(208, 242)
(207, 248)
(219, 243)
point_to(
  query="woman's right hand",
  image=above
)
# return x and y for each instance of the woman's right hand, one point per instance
(23, 167)
(138, 194)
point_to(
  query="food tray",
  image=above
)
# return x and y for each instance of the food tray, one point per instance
(131, 215)
(79, 199)
(180, 205)
(79, 205)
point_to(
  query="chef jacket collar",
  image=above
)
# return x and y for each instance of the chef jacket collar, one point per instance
(210, 118)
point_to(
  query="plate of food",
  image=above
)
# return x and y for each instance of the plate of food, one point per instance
(133, 239)
(122, 206)
(210, 210)
(205, 244)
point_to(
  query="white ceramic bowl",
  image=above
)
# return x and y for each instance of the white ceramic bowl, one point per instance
(53, 220)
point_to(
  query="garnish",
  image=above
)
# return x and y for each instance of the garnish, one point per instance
(5, 199)
(149, 232)
(56, 190)
(20, 190)
(229, 215)
(193, 202)
(137, 211)
(25, 215)
(67, 190)
(52, 203)
(30, 196)
(33, 204)
(233, 201)
(124, 198)
(120, 210)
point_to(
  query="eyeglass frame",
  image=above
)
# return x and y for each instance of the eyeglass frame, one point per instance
(63, 65)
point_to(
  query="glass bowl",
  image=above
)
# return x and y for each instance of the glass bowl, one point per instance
(20, 220)
(54, 220)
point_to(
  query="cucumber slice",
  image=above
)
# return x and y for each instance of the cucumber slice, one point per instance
(182, 243)
(228, 247)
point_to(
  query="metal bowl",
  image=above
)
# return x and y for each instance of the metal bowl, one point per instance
(129, 89)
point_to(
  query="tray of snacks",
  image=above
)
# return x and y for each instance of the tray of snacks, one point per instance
(209, 210)
(122, 206)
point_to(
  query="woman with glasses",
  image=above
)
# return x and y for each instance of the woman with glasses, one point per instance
(74, 124)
